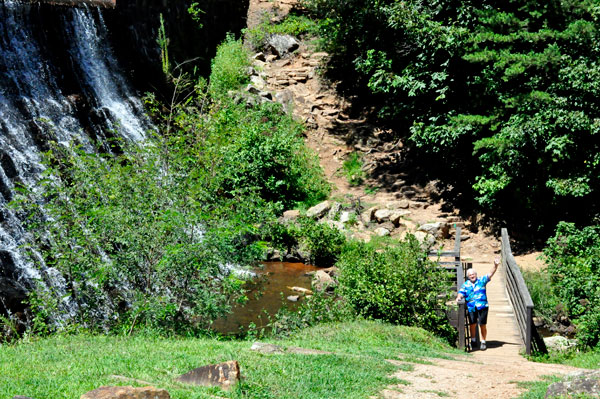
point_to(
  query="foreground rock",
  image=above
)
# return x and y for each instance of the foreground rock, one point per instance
(224, 375)
(126, 392)
(586, 385)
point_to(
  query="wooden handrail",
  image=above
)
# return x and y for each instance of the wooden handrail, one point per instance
(520, 299)
(455, 265)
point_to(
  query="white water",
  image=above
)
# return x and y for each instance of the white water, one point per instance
(34, 110)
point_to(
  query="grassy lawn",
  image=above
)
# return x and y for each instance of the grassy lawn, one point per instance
(68, 366)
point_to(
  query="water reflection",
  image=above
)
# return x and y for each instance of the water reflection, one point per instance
(273, 282)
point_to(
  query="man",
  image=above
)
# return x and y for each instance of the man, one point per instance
(473, 291)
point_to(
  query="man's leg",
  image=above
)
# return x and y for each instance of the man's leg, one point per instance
(483, 313)
(483, 329)
(473, 329)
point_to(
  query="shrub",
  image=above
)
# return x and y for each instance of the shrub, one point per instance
(573, 258)
(228, 68)
(352, 168)
(325, 243)
(396, 284)
(542, 294)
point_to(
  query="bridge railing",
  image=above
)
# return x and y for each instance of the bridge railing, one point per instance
(520, 299)
(455, 266)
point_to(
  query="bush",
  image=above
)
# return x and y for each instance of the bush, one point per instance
(500, 98)
(542, 294)
(573, 258)
(318, 308)
(396, 284)
(229, 68)
(325, 243)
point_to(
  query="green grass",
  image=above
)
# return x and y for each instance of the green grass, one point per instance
(588, 360)
(68, 366)
(537, 389)
(352, 169)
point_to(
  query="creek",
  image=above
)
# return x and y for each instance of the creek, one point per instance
(267, 293)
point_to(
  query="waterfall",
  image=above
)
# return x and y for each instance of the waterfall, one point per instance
(59, 81)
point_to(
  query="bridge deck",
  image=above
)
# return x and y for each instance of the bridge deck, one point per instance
(503, 334)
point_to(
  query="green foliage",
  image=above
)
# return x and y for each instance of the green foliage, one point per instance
(503, 97)
(149, 239)
(264, 150)
(352, 168)
(323, 242)
(228, 68)
(396, 284)
(317, 309)
(163, 44)
(539, 284)
(295, 25)
(573, 258)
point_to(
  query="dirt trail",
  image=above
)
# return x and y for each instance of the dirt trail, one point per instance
(294, 80)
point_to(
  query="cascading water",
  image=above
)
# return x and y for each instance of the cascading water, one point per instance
(59, 81)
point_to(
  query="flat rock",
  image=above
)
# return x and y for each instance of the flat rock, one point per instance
(291, 215)
(396, 216)
(266, 348)
(126, 392)
(585, 384)
(319, 210)
(402, 204)
(224, 375)
(383, 215)
(368, 215)
(382, 232)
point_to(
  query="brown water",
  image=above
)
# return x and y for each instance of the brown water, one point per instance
(265, 294)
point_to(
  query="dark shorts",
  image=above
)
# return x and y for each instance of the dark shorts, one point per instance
(479, 316)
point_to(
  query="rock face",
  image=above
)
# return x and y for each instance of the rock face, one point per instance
(126, 393)
(583, 385)
(224, 375)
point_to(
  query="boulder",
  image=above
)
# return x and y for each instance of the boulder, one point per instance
(336, 207)
(281, 45)
(426, 240)
(319, 210)
(397, 216)
(586, 384)
(224, 375)
(344, 217)
(402, 204)
(336, 225)
(323, 281)
(382, 231)
(437, 229)
(290, 215)
(559, 343)
(368, 215)
(382, 215)
(293, 298)
(126, 392)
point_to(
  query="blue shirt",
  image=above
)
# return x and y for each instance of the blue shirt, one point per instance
(474, 293)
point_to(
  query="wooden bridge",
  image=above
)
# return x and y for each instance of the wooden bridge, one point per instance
(510, 318)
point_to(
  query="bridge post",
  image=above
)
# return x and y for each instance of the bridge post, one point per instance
(460, 321)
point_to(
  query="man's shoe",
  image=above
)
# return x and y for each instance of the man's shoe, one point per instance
(482, 346)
